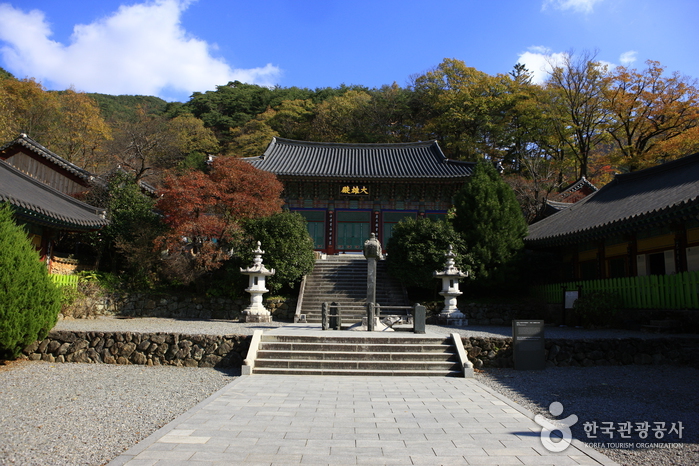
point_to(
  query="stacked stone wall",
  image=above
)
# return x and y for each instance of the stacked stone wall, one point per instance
(184, 306)
(498, 352)
(150, 349)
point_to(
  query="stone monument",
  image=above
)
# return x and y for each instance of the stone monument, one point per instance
(372, 322)
(258, 273)
(451, 315)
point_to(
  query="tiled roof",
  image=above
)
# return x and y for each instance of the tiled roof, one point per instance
(366, 161)
(39, 203)
(631, 201)
(576, 191)
(25, 141)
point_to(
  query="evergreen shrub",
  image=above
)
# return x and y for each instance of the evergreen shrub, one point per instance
(287, 245)
(417, 248)
(489, 218)
(29, 301)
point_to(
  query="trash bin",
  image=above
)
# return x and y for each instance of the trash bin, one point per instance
(529, 345)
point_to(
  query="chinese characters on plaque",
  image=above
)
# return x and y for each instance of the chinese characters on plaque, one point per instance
(354, 190)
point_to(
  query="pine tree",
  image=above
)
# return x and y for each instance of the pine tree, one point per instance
(29, 301)
(492, 225)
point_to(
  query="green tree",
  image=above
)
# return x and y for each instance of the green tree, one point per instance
(133, 226)
(417, 248)
(287, 245)
(29, 301)
(491, 222)
(252, 138)
(464, 109)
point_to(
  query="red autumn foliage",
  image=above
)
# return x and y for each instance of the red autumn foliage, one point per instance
(206, 209)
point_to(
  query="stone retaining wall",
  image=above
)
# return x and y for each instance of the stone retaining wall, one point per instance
(184, 306)
(151, 349)
(154, 349)
(498, 352)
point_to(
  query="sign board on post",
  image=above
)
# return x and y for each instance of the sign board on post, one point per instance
(570, 298)
(528, 341)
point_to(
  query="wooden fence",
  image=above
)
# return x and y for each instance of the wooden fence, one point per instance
(65, 280)
(679, 291)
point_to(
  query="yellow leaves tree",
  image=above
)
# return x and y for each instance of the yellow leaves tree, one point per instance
(83, 131)
(69, 123)
(648, 110)
(30, 109)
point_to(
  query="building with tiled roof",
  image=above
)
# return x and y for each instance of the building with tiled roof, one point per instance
(569, 196)
(348, 191)
(641, 223)
(44, 209)
(32, 158)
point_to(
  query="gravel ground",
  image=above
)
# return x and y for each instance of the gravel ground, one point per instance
(163, 325)
(614, 394)
(87, 414)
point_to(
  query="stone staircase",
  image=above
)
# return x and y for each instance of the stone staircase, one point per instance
(345, 354)
(343, 279)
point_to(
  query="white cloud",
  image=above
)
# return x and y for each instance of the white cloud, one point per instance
(579, 6)
(139, 49)
(627, 58)
(539, 61)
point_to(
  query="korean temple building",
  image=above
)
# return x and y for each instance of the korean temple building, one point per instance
(641, 223)
(39, 185)
(348, 191)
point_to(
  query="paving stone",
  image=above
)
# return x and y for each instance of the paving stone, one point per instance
(336, 421)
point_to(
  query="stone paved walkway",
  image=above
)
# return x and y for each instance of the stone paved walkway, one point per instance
(280, 420)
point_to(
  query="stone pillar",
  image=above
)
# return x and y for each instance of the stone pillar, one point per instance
(372, 252)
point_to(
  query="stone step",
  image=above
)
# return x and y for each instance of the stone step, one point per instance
(421, 356)
(321, 348)
(351, 338)
(354, 364)
(358, 372)
(348, 353)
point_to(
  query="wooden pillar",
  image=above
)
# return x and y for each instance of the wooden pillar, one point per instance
(681, 249)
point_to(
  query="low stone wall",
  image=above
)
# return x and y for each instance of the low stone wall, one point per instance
(498, 352)
(151, 349)
(501, 314)
(184, 306)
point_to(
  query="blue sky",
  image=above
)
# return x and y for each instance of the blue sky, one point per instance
(171, 48)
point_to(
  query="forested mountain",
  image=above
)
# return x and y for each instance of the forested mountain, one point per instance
(124, 107)
(585, 120)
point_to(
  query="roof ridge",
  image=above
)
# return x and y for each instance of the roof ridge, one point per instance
(41, 185)
(33, 145)
(650, 171)
(357, 144)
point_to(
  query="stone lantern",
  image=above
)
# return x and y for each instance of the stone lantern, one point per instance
(256, 312)
(451, 315)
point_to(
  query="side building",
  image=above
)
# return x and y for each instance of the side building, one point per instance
(348, 191)
(39, 186)
(641, 223)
